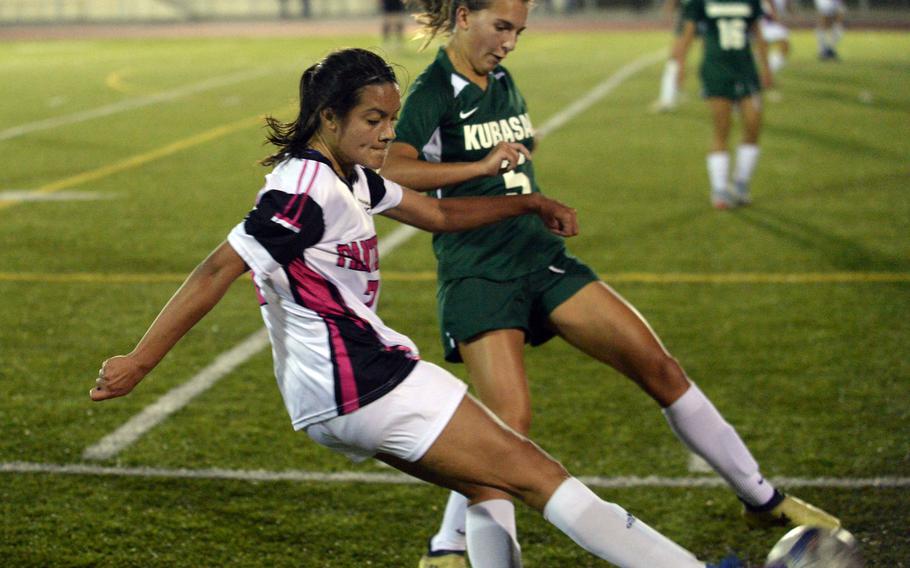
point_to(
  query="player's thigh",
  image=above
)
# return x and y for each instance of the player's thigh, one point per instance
(478, 449)
(599, 322)
(495, 364)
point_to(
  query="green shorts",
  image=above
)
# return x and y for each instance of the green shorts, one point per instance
(471, 306)
(732, 84)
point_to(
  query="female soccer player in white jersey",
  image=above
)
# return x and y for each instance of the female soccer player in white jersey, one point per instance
(350, 382)
(512, 283)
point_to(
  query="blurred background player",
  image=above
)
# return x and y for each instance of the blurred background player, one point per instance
(465, 130)
(830, 28)
(729, 79)
(776, 34)
(671, 81)
(393, 22)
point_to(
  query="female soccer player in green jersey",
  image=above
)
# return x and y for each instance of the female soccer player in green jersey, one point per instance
(465, 130)
(729, 79)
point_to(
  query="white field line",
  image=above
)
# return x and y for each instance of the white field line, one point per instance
(604, 88)
(697, 464)
(177, 398)
(28, 195)
(401, 479)
(130, 104)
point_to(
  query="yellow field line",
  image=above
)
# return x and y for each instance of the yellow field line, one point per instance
(141, 159)
(428, 276)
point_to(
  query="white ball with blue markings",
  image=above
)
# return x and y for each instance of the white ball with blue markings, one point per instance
(815, 547)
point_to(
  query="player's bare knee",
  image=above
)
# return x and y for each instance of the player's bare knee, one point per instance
(518, 419)
(665, 380)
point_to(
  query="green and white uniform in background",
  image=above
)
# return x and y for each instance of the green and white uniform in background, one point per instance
(728, 68)
(447, 118)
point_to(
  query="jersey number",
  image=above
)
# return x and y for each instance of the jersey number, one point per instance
(370, 292)
(732, 33)
(517, 182)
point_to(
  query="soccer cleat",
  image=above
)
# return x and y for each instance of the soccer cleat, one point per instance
(785, 510)
(728, 562)
(741, 194)
(443, 559)
(828, 54)
(660, 106)
(722, 200)
(774, 96)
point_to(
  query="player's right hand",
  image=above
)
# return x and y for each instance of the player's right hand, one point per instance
(504, 157)
(117, 377)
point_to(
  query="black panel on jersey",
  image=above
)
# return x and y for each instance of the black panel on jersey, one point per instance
(377, 368)
(377, 186)
(285, 224)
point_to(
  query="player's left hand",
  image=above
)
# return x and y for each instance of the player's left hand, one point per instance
(117, 377)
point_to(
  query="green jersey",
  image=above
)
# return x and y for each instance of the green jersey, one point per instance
(728, 68)
(447, 118)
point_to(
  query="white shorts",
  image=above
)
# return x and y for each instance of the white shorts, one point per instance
(404, 423)
(774, 31)
(829, 7)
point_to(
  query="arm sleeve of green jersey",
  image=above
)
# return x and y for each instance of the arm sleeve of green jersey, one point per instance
(690, 10)
(420, 117)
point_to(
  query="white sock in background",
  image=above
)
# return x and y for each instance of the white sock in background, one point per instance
(718, 170)
(837, 32)
(701, 427)
(821, 35)
(668, 94)
(451, 535)
(776, 61)
(746, 159)
(492, 539)
(608, 531)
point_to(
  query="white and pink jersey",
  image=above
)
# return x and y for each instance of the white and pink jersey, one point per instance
(311, 245)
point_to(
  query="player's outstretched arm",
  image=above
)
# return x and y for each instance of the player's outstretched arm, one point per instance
(201, 291)
(761, 55)
(465, 213)
(402, 165)
(681, 50)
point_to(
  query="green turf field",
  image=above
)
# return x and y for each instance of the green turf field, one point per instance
(793, 315)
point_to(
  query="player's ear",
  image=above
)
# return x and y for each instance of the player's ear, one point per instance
(461, 16)
(329, 119)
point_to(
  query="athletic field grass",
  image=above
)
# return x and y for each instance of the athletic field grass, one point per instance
(138, 156)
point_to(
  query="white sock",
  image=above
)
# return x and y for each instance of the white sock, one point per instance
(607, 531)
(701, 427)
(837, 32)
(718, 170)
(776, 61)
(451, 535)
(821, 35)
(492, 540)
(746, 159)
(668, 93)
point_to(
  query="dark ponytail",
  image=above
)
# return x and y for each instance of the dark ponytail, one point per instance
(334, 83)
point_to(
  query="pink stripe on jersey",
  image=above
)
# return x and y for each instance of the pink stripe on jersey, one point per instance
(284, 215)
(315, 291)
(350, 398)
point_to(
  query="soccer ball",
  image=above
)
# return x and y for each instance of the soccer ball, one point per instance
(815, 547)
